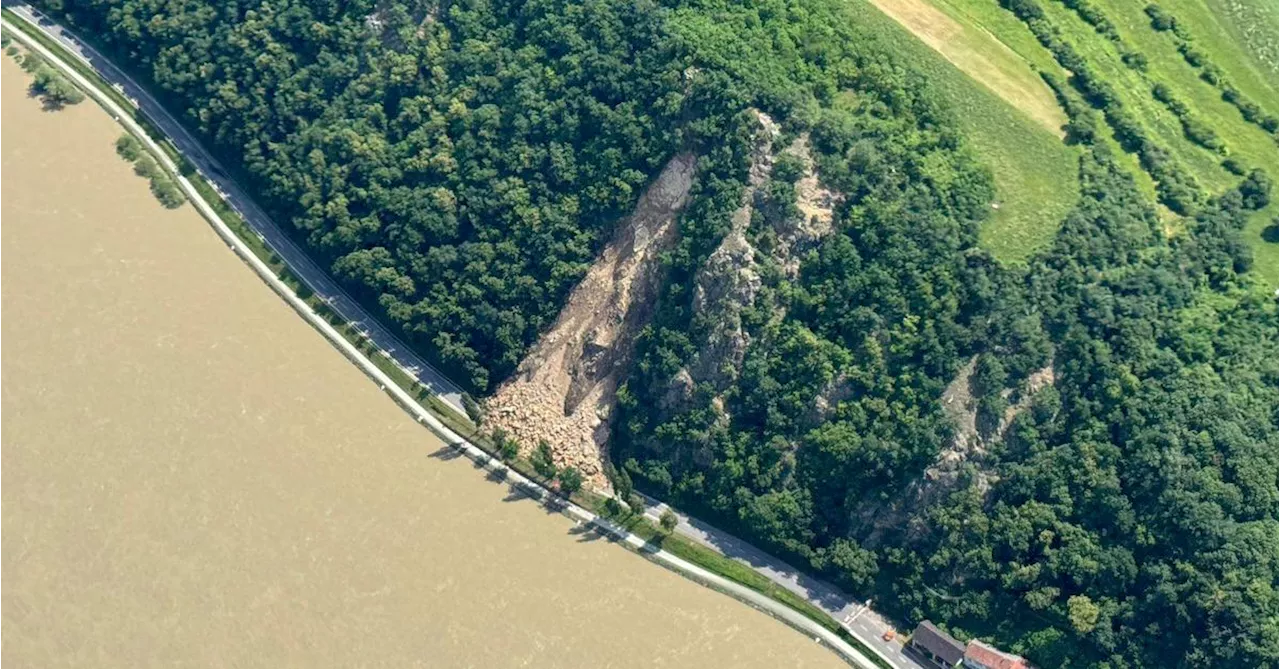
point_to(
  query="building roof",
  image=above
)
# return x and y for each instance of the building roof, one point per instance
(941, 644)
(987, 656)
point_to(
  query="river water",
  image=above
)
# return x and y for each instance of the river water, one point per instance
(192, 476)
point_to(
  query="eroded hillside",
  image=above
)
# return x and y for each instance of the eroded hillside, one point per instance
(565, 389)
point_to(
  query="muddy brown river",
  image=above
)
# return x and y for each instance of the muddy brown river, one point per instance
(193, 477)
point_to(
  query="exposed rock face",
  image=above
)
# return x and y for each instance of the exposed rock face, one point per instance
(958, 404)
(967, 445)
(566, 387)
(729, 281)
(817, 210)
(824, 405)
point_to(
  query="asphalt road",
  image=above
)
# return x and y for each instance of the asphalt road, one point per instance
(856, 616)
(317, 279)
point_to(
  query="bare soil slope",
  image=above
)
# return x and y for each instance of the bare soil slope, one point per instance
(566, 387)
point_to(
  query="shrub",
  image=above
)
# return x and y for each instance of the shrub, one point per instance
(1191, 54)
(1160, 19)
(1135, 60)
(570, 480)
(49, 85)
(1256, 190)
(542, 462)
(128, 147)
(1271, 233)
(145, 166)
(166, 192)
(474, 411)
(612, 508)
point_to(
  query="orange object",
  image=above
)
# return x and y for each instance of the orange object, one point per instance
(888, 635)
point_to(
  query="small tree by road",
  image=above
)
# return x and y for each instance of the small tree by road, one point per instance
(475, 411)
(570, 480)
(542, 462)
(128, 147)
(53, 89)
(167, 192)
(668, 521)
(508, 447)
(636, 503)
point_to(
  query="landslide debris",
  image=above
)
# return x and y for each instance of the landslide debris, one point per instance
(565, 389)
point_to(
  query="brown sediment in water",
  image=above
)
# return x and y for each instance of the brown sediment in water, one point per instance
(192, 476)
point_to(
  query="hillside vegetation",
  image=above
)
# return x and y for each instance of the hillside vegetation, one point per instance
(1010, 118)
(1098, 490)
(1195, 105)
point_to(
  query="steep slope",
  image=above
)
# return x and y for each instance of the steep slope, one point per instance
(1033, 169)
(565, 389)
(981, 55)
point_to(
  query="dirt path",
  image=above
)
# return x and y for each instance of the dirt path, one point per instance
(566, 387)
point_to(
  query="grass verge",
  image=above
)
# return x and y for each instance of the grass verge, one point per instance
(733, 570)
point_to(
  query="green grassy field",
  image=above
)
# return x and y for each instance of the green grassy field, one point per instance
(1225, 29)
(1243, 25)
(1034, 171)
(1246, 142)
(1134, 90)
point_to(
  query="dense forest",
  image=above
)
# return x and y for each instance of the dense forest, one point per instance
(458, 165)
(455, 164)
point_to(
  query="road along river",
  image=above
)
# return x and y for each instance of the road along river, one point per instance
(192, 475)
(842, 607)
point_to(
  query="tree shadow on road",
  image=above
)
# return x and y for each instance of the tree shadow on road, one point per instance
(446, 452)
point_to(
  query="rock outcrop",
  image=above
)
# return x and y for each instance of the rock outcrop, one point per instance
(728, 282)
(967, 446)
(816, 203)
